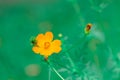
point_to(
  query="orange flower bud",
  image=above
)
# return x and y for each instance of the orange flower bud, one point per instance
(87, 28)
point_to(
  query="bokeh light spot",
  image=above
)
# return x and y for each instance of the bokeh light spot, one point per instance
(32, 70)
(60, 35)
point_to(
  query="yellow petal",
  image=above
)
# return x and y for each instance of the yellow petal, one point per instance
(57, 49)
(46, 52)
(48, 36)
(56, 46)
(40, 40)
(39, 37)
(56, 43)
(36, 50)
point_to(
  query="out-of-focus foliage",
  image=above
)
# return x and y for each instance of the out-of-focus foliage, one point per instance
(96, 56)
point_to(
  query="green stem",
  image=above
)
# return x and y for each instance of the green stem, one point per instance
(48, 62)
(49, 74)
(96, 59)
(78, 11)
(54, 62)
(67, 53)
(71, 61)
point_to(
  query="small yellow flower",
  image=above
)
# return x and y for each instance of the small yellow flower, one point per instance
(87, 28)
(45, 45)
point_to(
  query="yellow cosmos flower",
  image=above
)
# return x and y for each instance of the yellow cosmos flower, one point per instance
(45, 45)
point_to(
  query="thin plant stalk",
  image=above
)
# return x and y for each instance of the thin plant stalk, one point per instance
(49, 77)
(50, 65)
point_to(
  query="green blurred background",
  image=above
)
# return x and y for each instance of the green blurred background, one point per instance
(20, 20)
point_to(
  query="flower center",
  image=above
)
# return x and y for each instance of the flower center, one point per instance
(46, 45)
